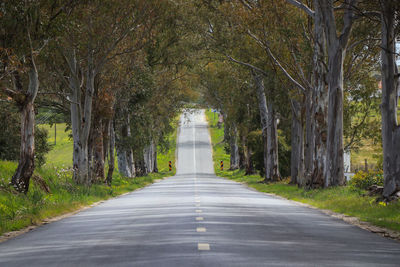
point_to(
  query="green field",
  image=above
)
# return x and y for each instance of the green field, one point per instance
(346, 200)
(61, 154)
(18, 210)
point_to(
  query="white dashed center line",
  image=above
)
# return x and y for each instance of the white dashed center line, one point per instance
(203, 246)
(201, 229)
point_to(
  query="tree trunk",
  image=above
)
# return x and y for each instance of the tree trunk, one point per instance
(126, 165)
(81, 117)
(111, 161)
(297, 152)
(335, 170)
(272, 170)
(248, 163)
(309, 145)
(155, 165)
(336, 47)
(98, 149)
(390, 87)
(320, 106)
(264, 116)
(26, 165)
(234, 159)
(123, 162)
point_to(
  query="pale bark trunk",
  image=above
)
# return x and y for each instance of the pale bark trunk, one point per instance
(111, 152)
(81, 118)
(264, 116)
(247, 157)
(390, 83)
(123, 162)
(297, 144)
(126, 164)
(26, 165)
(234, 155)
(336, 47)
(272, 170)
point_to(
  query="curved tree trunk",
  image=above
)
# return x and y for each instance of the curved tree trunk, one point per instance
(26, 164)
(390, 89)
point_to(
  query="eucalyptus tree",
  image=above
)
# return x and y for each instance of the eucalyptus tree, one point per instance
(92, 37)
(27, 27)
(389, 14)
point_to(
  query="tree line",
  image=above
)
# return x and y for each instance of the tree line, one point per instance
(317, 62)
(114, 69)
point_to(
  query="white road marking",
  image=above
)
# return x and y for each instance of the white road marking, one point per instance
(194, 148)
(201, 229)
(197, 205)
(203, 246)
(199, 218)
(199, 211)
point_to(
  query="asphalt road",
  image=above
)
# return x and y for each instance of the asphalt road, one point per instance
(198, 219)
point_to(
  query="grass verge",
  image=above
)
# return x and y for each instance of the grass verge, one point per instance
(18, 211)
(346, 200)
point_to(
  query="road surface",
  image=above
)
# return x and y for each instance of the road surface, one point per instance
(198, 219)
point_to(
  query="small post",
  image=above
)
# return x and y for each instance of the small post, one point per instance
(170, 165)
(55, 133)
(222, 165)
(366, 165)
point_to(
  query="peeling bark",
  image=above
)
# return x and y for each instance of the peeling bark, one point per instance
(390, 87)
(320, 103)
(26, 165)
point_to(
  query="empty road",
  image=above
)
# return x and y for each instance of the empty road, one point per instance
(198, 219)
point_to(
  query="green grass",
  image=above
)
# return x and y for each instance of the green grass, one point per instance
(18, 210)
(346, 200)
(61, 154)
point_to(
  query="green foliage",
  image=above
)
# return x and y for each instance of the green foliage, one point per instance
(10, 136)
(42, 146)
(364, 179)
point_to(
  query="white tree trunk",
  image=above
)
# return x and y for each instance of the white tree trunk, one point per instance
(26, 165)
(234, 157)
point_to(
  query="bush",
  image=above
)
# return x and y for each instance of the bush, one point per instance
(364, 179)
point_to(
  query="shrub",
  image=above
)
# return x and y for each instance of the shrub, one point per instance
(363, 179)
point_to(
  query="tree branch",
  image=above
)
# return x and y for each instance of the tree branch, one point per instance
(302, 6)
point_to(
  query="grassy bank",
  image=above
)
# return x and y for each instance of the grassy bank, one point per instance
(18, 211)
(346, 200)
